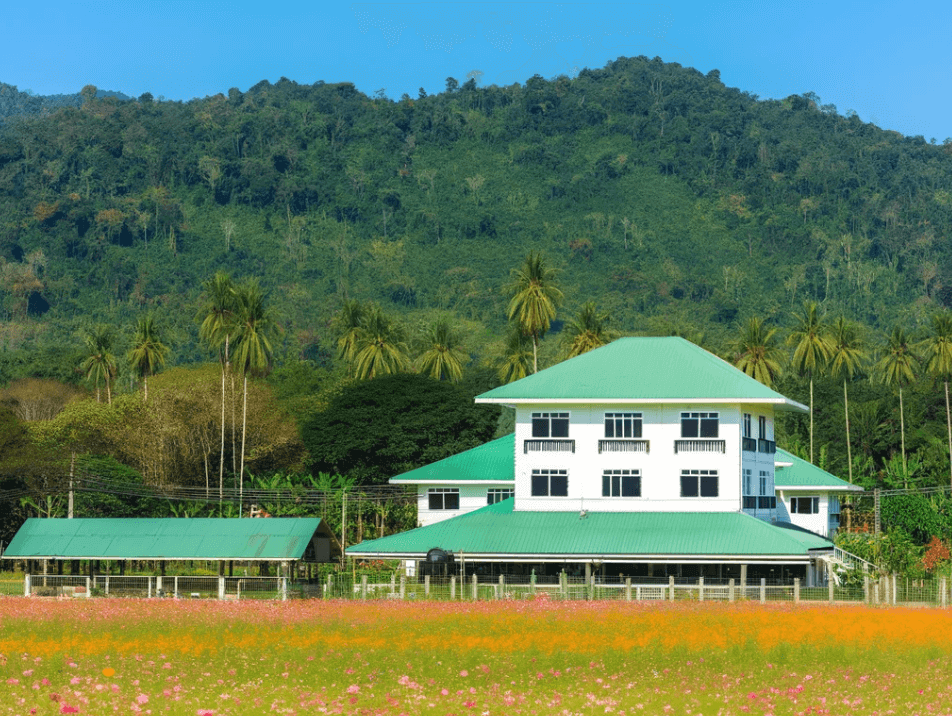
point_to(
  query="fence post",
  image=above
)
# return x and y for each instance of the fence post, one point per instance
(475, 587)
(532, 583)
(453, 587)
(284, 589)
(175, 587)
(671, 588)
(403, 586)
(26, 585)
(590, 588)
(107, 585)
(763, 590)
(89, 588)
(627, 589)
(743, 581)
(638, 593)
(830, 586)
(393, 583)
(426, 586)
(866, 588)
(158, 586)
(894, 595)
(876, 592)
(502, 587)
(148, 587)
(700, 589)
(563, 587)
(221, 587)
(942, 592)
(796, 590)
(363, 586)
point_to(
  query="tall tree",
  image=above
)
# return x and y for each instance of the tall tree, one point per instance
(937, 355)
(380, 346)
(347, 325)
(442, 358)
(148, 352)
(100, 363)
(756, 352)
(535, 298)
(586, 331)
(517, 357)
(218, 325)
(847, 357)
(897, 367)
(254, 329)
(812, 348)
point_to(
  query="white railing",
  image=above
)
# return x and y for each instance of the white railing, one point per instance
(623, 445)
(176, 587)
(854, 562)
(700, 446)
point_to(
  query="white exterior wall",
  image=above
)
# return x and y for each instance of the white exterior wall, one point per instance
(819, 523)
(660, 467)
(471, 497)
(759, 461)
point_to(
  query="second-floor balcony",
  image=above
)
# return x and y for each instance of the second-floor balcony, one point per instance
(623, 445)
(550, 445)
(767, 446)
(749, 444)
(684, 446)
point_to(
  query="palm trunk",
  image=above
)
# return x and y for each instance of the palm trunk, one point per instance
(234, 466)
(241, 473)
(948, 422)
(811, 419)
(535, 354)
(221, 466)
(145, 389)
(902, 438)
(849, 450)
(108, 393)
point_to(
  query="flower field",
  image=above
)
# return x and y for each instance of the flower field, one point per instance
(201, 658)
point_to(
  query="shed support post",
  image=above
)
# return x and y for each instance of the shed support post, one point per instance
(329, 586)
(475, 587)
(107, 585)
(942, 593)
(502, 587)
(426, 586)
(284, 589)
(743, 581)
(453, 587)
(148, 587)
(671, 588)
(700, 589)
(730, 590)
(796, 590)
(175, 587)
(89, 587)
(627, 589)
(221, 583)
(26, 585)
(532, 583)
(403, 586)
(763, 590)
(363, 586)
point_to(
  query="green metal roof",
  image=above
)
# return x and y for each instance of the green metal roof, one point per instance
(498, 530)
(803, 474)
(493, 462)
(660, 370)
(170, 538)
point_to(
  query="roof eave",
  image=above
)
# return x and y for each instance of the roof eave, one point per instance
(816, 488)
(394, 481)
(588, 557)
(779, 403)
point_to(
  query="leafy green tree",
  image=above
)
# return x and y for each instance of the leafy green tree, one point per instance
(442, 358)
(100, 363)
(148, 352)
(896, 368)
(586, 331)
(380, 346)
(757, 353)
(811, 348)
(937, 356)
(375, 429)
(347, 323)
(517, 357)
(534, 300)
(217, 328)
(254, 329)
(846, 359)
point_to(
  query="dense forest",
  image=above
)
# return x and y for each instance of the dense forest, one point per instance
(662, 201)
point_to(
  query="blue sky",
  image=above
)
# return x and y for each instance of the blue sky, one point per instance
(888, 62)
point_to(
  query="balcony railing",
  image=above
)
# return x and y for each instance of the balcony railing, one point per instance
(753, 502)
(749, 445)
(766, 446)
(700, 446)
(623, 446)
(548, 446)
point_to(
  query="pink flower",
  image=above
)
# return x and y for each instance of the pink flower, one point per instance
(353, 689)
(464, 673)
(142, 699)
(67, 709)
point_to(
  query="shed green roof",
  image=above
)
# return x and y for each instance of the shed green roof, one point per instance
(498, 531)
(661, 370)
(803, 474)
(167, 538)
(494, 461)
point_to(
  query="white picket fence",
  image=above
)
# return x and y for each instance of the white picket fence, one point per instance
(179, 587)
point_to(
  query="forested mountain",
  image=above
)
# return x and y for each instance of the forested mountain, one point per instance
(14, 103)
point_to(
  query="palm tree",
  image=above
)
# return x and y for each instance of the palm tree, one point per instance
(380, 348)
(812, 349)
(100, 363)
(937, 354)
(847, 358)
(216, 330)
(347, 324)
(254, 328)
(535, 298)
(757, 353)
(517, 358)
(897, 367)
(443, 358)
(148, 352)
(588, 330)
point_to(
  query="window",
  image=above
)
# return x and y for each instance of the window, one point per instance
(763, 482)
(805, 505)
(698, 425)
(550, 425)
(495, 495)
(748, 482)
(698, 483)
(622, 425)
(444, 498)
(747, 425)
(762, 425)
(550, 483)
(621, 483)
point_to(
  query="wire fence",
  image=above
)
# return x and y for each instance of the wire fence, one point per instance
(178, 587)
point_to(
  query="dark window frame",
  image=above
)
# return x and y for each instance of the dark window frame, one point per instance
(621, 483)
(700, 425)
(548, 482)
(702, 484)
(618, 424)
(498, 494)
(443, 493)
(550, 424)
